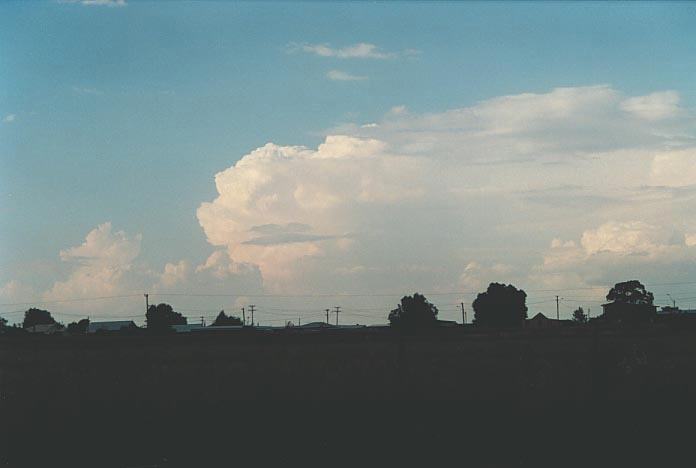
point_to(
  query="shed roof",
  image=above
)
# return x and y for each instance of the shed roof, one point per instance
(114, 325)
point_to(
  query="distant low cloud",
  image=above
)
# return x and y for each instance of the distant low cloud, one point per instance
(107, 264)
(362, 50)
(9, 118)
(338, 75)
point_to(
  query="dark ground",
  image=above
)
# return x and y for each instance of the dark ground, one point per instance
(559, 397)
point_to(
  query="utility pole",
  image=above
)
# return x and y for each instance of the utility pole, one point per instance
(557, 313)
(243, 317)
(463, 314)
(299, 321)
(338, 309)
(252, 307)
(147, 304)
(202, 321)
(588, 314)
(327, 316)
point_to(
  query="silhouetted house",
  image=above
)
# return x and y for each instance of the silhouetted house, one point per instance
(321, 326)
(315, 326)
(541, 321)
(113, 326)
(669, 310)
(627, 312)
(198, 328)
(447, 323)
(187, 328)
(46, 328)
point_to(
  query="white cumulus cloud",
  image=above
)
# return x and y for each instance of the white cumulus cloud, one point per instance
(415, 198)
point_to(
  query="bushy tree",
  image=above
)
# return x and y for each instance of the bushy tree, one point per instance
(224, 319)
(630, 292)
(3, 323)
(579, 315)
(501, 306)
(78, 328)
(413, 312)
(35, 316)
(161, 317)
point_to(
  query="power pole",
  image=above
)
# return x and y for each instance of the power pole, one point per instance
(557, 314)
(252, 307)
(147, 304)
(338, 309)
(299, 321)
(202, 321)
(588, 314)
(243, 317)
(463, 314)
(327, 316)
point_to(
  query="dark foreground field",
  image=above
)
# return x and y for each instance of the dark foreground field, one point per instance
(507, 399)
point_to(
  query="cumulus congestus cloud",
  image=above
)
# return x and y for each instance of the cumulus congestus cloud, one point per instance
(437, 199)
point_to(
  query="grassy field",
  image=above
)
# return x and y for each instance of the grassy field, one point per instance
(107, 388)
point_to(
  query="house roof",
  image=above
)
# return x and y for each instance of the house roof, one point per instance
(315, 325)
(44, 327)
(109, 326)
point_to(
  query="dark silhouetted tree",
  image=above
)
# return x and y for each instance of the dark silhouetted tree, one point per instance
(413, 312)
(501, 306)
(3, 323)
(630, 292)
(579, 315)
(224, 319)
(161, 317)
(37, 317)
(78, 328)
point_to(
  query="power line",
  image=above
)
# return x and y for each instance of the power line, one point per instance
(432, 293)
(82, 299)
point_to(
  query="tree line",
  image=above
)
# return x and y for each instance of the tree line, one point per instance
(500, 306)
(504, 306)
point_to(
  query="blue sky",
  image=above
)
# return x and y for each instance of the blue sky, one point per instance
(125, 114)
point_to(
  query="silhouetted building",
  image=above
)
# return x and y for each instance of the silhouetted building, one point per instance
(46, 328)
(447, 323)
(541, 321)
(187, 328)
(627, 312)
(113, 326)
(669, 310)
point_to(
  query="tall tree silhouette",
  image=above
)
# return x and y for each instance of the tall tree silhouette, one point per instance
(579, 315)
(35, 316)
(630, 292)
(224, 319)
(501, 306)
(413, 312)
(161, 317)
(78, 328)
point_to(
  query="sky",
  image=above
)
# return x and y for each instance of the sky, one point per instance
(301, 156)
